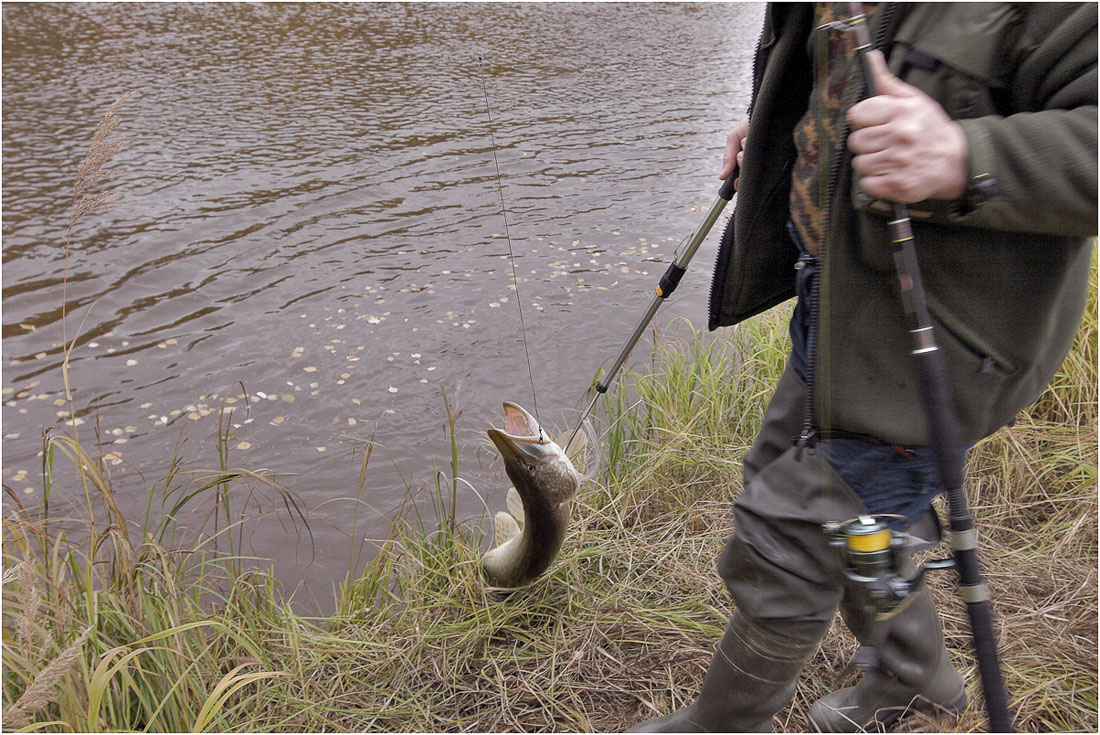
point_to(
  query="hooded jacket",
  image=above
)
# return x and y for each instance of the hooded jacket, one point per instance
(1005, 268)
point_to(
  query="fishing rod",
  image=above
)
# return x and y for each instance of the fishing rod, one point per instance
(944, 431)
(669, 281)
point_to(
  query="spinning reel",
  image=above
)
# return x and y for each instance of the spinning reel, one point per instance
(875, 559)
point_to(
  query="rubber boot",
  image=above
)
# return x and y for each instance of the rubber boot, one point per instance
(784, 578)
(910, 671)
(751, 677)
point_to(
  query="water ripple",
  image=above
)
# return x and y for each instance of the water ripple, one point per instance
(316, 218)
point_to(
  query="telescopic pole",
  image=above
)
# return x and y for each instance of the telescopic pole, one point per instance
(669, 281)
(944, 431)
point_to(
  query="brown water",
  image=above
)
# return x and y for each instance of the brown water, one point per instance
(316, 223)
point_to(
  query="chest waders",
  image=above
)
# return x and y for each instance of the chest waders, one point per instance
(943, 427)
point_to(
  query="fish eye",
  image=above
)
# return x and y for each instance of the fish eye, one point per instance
(530, 468)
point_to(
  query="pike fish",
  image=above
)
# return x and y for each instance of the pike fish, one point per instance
(529, 536)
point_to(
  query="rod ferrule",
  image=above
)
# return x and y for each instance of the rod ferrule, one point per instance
(901, 230)
(974, 593)
(923, 340)
(964, 540)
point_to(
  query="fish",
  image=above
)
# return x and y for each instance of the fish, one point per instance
(544, 482)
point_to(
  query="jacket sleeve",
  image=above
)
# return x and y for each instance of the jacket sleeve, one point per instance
(1036, 170)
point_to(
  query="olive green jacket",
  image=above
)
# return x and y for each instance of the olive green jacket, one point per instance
(1005, 269)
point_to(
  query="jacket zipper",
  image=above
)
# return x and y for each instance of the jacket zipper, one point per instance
(808, 438)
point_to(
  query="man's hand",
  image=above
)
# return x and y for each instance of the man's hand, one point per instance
(735, 150)
(907, 148)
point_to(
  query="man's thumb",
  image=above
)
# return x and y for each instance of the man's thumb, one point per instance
(885, 82)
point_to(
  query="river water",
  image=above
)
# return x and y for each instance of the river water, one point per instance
(314, 234)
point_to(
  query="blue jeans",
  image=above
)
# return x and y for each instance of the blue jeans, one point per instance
(890, 479)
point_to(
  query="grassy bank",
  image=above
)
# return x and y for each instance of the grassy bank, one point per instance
(140, 624)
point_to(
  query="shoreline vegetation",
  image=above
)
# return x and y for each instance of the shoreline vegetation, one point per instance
(162, 623)
(113, 625)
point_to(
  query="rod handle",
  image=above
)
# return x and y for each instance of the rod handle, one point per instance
(989, 668)
(727, 191)
(670, 280)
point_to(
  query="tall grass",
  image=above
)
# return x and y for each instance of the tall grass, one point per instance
(159, 623)
(178, 638)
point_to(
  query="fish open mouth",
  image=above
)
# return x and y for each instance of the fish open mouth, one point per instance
(521, 439)
(519, 424)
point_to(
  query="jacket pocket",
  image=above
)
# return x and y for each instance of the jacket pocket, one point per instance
(979, 375)
(959, 54)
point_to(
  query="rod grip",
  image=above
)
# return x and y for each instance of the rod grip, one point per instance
(985, 649)
(727, 191)
(943, 424)
(670, 280)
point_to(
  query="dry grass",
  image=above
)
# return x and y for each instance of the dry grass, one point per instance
(620, 628)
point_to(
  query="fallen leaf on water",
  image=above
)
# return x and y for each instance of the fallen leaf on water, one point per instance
(244, 445)
(288, 398)
(392, 389)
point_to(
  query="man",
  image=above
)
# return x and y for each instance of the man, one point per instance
(985, 124)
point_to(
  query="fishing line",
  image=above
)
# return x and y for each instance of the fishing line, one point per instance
(508, 238)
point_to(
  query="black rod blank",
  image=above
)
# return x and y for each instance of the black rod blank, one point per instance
(944, 435)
